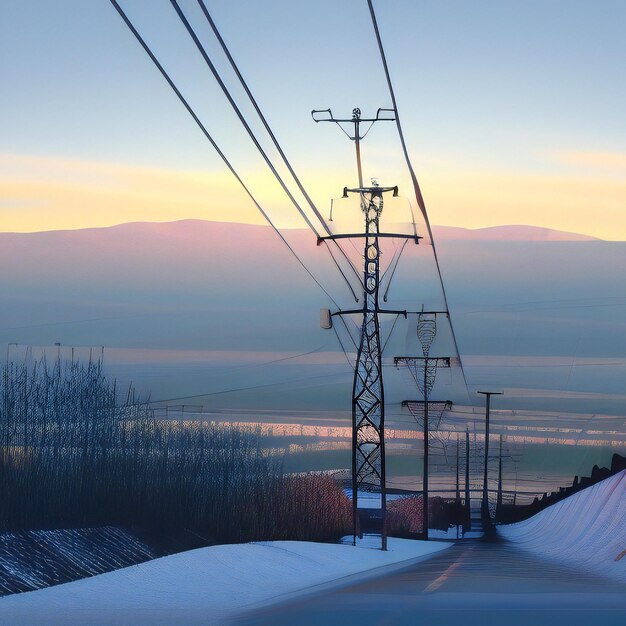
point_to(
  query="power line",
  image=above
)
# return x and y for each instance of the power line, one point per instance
(241, 117)
(390, 332)
(332, 256)
(206, 133)
(416, 187)
(393, 271)
(249, 130)
(345, 353)
(237, 389)
(343, 320)
(276, 143)
(567, 365)
(262, 117)
(552, 304)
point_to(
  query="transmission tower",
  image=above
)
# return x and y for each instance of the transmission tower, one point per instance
(424, 371)
(368, 395)
(467, 526)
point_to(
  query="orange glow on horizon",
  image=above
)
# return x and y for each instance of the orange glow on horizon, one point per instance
(47, 193)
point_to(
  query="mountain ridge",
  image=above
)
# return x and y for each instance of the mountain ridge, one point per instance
(508, 232)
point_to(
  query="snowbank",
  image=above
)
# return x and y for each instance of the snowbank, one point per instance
(586, 530)
(33, 559)
(202, 586)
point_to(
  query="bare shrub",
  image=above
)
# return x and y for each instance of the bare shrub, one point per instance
(72, 454)
(404, 517)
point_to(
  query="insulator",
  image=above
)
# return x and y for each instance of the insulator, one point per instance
(426, 331)
(326, 321)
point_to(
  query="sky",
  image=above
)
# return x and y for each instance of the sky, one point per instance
(513, 112)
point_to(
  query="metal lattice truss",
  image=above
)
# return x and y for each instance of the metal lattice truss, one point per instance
(436, 411)
(426, 330)
(438, 434)
(423, 369)
(367, 404)
(368, 408)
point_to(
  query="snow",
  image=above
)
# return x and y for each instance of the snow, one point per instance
(586, 530)
(203, 586)
(34, 559)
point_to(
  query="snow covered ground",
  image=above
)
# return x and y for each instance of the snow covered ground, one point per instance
(204, 586)
(586, 530)
(34, 559)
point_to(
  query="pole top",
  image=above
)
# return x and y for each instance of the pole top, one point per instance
(491, 393)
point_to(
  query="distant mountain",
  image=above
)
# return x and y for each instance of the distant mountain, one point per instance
(196, 285)
(194, 230)
(507, 233)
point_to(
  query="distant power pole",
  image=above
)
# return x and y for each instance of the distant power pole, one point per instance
(458, 486)
(368, 396)
(486, 516)
(424, 370)
(422, 411)
(468, 512)
(457, 500)
(499, 501)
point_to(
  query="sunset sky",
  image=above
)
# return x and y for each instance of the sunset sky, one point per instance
(513, 112)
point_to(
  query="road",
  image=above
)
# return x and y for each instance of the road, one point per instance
(472, 583)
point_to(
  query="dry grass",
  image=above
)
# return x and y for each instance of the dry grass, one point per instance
(72, 454)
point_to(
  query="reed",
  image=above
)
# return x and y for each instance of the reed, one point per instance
(74, 453)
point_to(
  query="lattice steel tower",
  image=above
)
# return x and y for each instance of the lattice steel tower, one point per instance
(368, 396)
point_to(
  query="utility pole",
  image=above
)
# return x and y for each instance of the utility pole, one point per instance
(468, 511)
(424, 370)
(368, 396)
(457, 500)
(422, 412)
(499, 500)
(458, 487)
(485, 502)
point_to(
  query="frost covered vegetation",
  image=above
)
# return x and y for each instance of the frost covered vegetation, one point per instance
(73, 454)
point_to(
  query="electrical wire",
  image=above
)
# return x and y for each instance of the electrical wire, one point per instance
(393, 258)
(264, 121)
(345, 353)
(393, 271)
(237, 389)
(262, 117)
(356, 326)
(241, 117)
(206, 133)
(332, 256)
(390, 333)
(416, 187)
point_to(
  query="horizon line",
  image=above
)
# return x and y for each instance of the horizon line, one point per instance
(584, 236)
